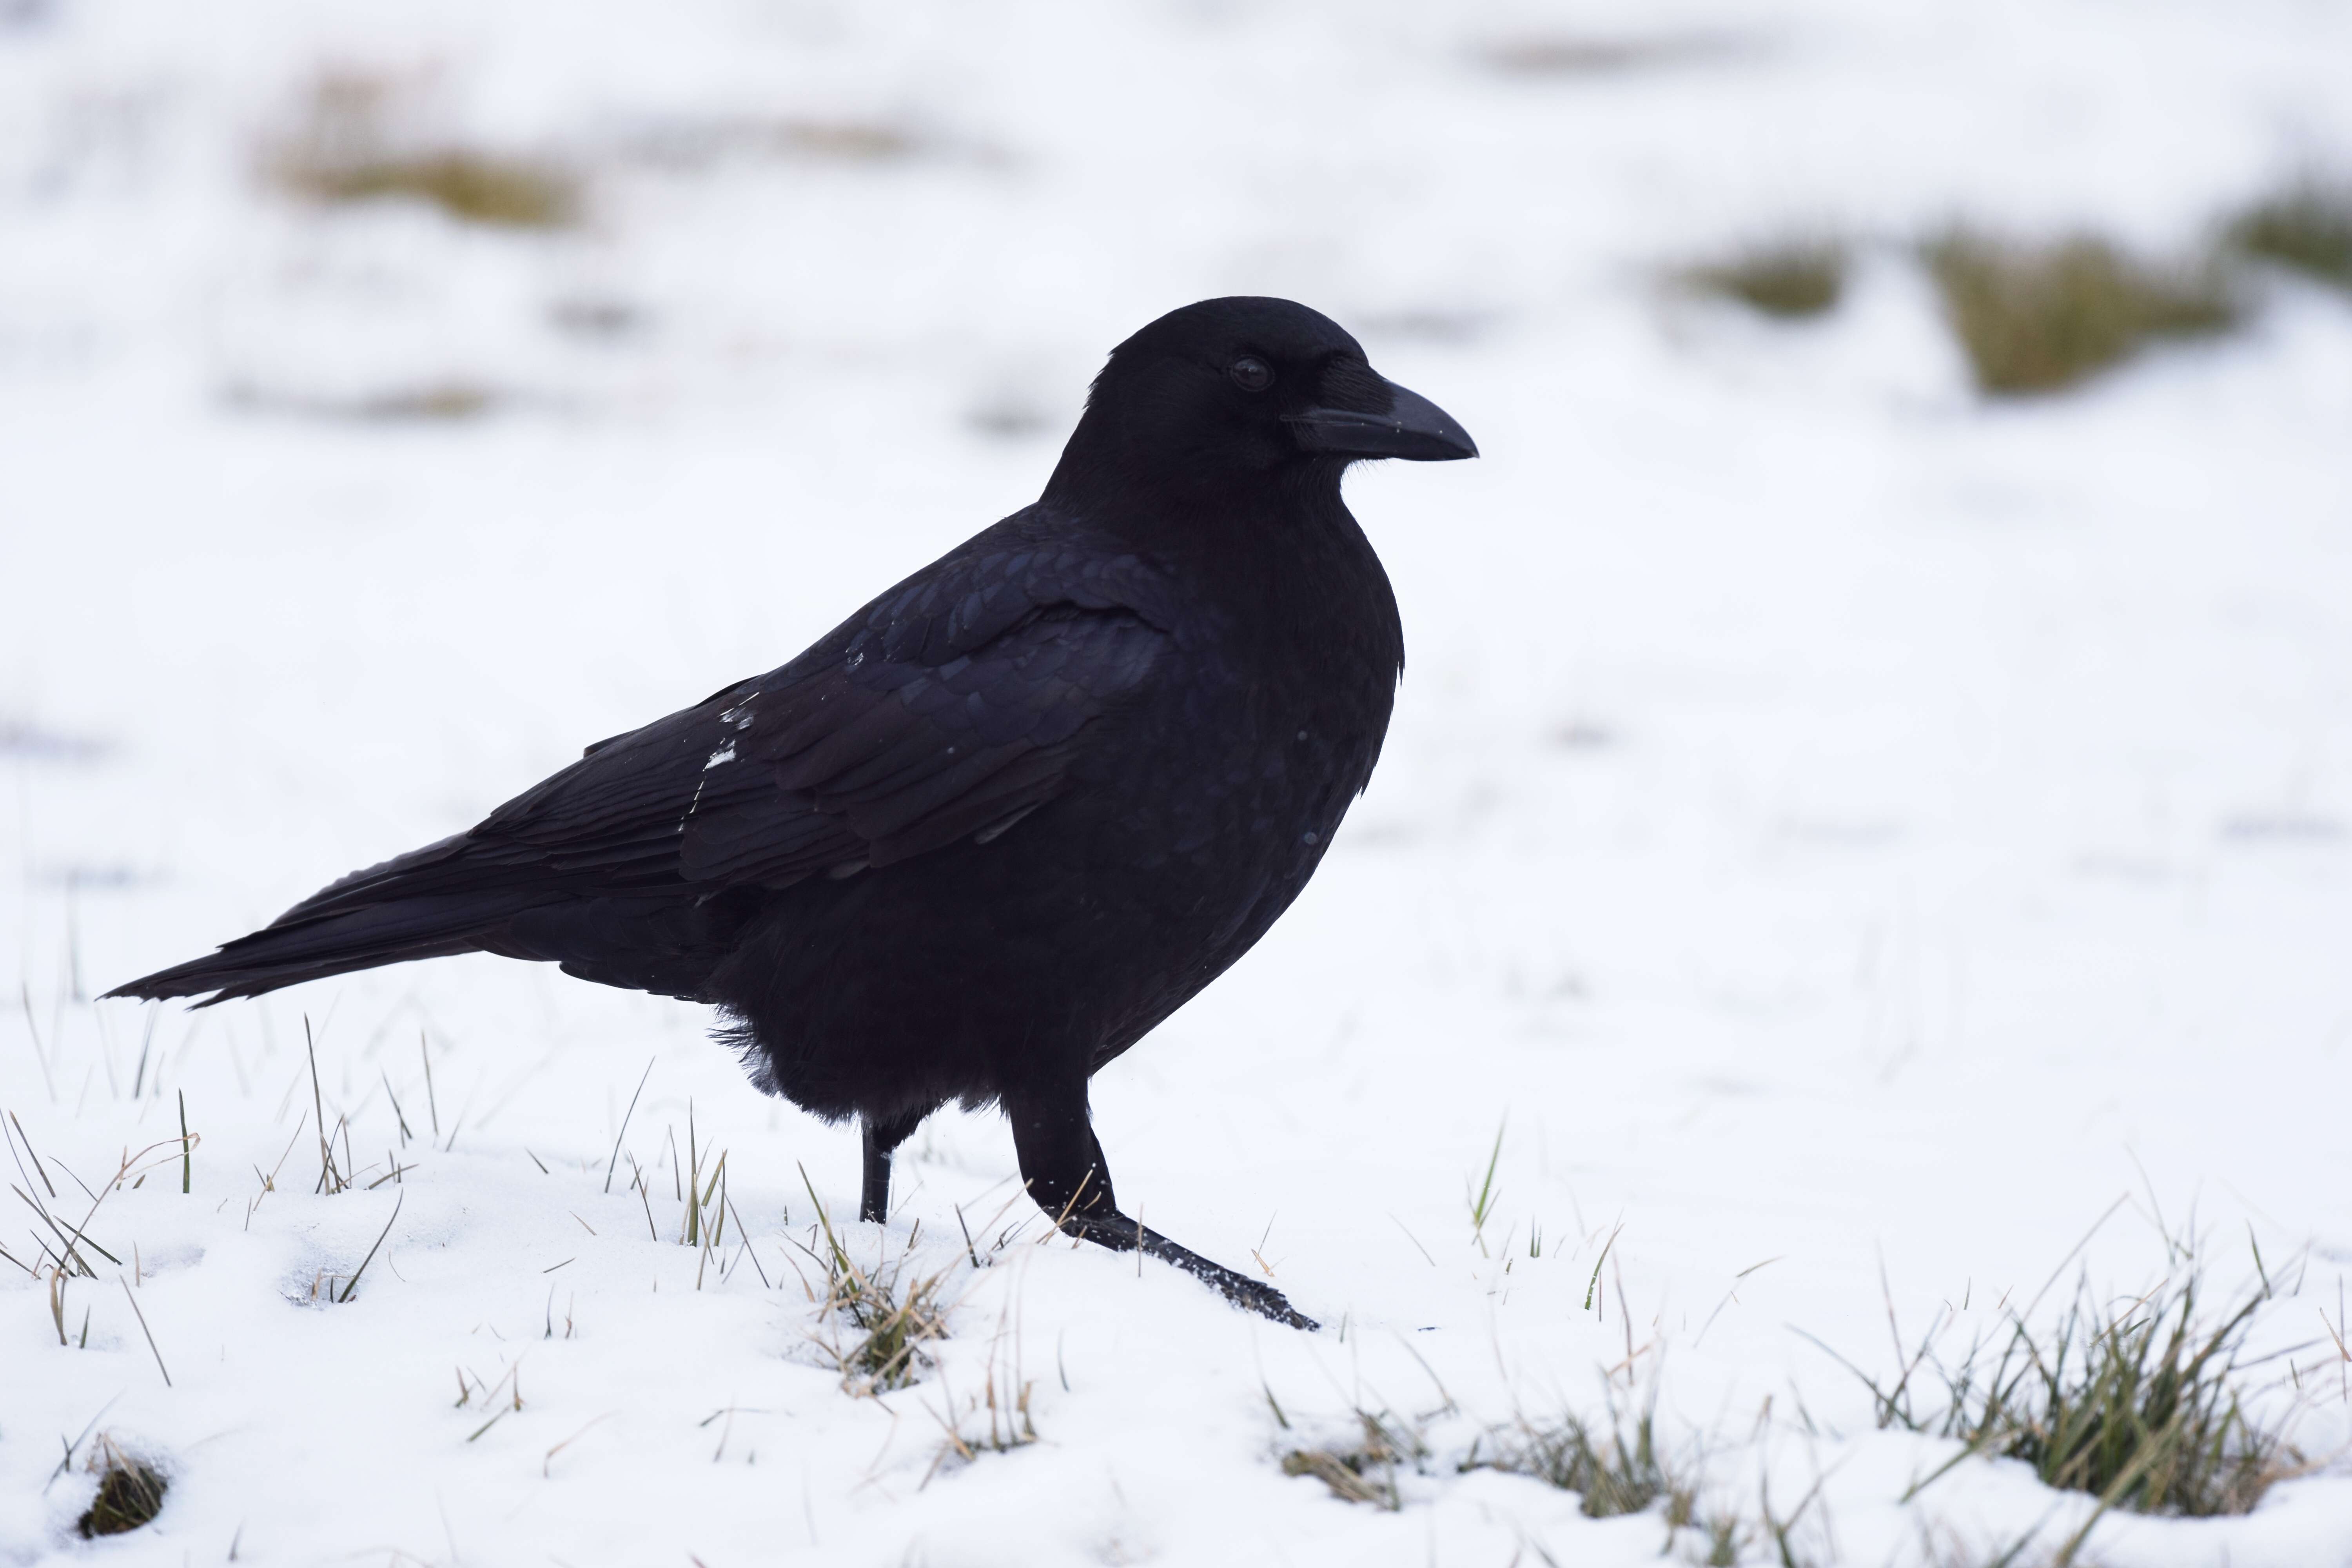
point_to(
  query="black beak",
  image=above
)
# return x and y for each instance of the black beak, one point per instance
(1414, 429)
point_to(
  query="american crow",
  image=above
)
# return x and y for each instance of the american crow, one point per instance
(994, 827)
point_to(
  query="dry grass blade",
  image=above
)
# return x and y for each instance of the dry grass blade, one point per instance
(32, 1038)
(1783, 1531)
(67, 1256)
(433, 1102)
(73, 1237)
(1002, 1404)
(353, 1283)
(132, 1297)
(615, 1162)
(43, 1170)
(330, 1178)
(2042, 317)
(1344, 1471)
(1364, 1470)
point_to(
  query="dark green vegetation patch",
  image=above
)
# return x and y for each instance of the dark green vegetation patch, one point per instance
(129, 1493)
(1790, 280)
(2148, 1403)
(2038, 318)
(2307, 227)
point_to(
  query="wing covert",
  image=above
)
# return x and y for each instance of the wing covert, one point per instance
(949, 709)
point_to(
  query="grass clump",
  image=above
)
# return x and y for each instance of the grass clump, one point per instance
(343, 151)
(1790, 280)
(475, 188)
(2036, 319)
(1615, 1471)
(130, 1492)
(2307, 226)
(2143, 1402)
(893, 1316)
(2137, 1406)
(1363, 1470)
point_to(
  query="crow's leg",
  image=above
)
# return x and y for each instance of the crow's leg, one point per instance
(880, 1138)
(1062, 1164)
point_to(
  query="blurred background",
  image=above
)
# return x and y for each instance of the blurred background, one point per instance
(1871, 779)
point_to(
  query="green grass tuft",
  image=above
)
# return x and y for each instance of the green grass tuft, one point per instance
(2134, 1404)
(893, 1316)
(2307, 226)
(2037, 319)
(2141, 1403)
(1790, 279)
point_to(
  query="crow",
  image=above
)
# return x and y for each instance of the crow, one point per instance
(991, 830)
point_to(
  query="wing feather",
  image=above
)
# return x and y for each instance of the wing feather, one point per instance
(949, 709)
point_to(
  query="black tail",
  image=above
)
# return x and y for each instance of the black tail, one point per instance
(463, 895)
(405, 909)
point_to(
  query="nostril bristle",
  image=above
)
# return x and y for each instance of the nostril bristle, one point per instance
(1351, 384)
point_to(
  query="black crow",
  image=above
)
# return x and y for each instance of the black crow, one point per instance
(994, 827)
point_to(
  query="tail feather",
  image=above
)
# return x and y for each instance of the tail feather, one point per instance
(314, 947)
(423, 904)
(463, 895)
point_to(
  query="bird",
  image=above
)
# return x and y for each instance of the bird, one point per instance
(993, 828)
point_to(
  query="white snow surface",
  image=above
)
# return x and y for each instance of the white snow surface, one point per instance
(1843, 836)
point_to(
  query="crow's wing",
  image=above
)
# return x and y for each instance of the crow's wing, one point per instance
(949, 708)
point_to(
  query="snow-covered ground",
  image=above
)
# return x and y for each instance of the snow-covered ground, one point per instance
(1833, 830)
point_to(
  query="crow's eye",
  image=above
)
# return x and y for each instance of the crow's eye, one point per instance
(1251, 374)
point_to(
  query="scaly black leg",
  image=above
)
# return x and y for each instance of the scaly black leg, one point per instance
(880, 1138)
(1062, 1164)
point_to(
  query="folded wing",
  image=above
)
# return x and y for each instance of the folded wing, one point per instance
(949, 709)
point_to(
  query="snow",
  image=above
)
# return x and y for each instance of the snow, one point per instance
(1841, 835)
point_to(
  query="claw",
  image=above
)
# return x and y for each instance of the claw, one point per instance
(1121, 1234)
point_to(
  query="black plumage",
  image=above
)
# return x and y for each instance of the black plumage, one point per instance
(989, 831)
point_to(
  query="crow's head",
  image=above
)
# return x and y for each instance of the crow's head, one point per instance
(1245, 388)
